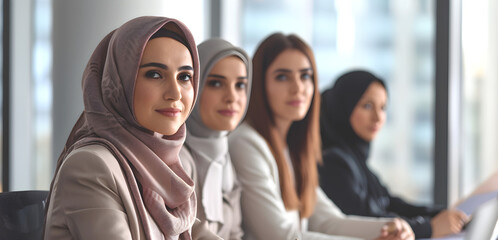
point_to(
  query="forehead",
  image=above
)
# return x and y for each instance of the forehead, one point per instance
(375, 91)
(229, 62)
(291, 58)
(166, 48)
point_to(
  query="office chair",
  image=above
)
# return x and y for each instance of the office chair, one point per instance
(22, 215)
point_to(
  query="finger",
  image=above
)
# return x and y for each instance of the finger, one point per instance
(384, 232)
(464, 217)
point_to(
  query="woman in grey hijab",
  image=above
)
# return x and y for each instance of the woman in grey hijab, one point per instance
(224, 88)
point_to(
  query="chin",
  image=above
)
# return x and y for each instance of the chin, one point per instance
(226, 127)
(169, 131)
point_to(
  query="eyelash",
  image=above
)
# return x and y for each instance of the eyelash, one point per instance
(281, 77)
(181, 75)
(284, 77)
(306, 76)
(214, 83)
(241, 85)
(370, 106)
(152, 74)
(218, 84)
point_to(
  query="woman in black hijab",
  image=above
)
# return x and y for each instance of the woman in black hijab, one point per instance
(352, 112)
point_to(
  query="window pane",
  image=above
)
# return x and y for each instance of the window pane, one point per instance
(480, 84)
(391, 38)
(42, 94)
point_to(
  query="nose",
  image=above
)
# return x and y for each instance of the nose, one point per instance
(172, 90)
(230, 94)
(378, 115)
(297, 85)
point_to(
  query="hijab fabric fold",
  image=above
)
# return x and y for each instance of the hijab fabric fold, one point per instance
(209, 148)
(158, 184)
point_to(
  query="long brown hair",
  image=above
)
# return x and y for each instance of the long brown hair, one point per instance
(303, 138)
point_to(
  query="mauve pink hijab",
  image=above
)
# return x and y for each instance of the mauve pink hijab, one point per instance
(157, 182)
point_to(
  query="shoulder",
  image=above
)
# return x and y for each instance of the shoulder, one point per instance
(339, 161)
(245, 132)
(90, 163)
(335, 155)
(245, 141)
(91, 156)
(250, 152)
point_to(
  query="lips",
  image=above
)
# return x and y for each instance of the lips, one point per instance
(295, 103)
(374, 129)
(227, 112)
(169, 112)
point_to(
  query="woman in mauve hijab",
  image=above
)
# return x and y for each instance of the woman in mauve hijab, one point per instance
(119, 175)
(352, 113)
(275, 152)
(224, 87)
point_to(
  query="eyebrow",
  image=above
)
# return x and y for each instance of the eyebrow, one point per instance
(282, 70)
(288, 70)
(154, 64)
(216, 76)
(163, 66)
(186, 67)
(223, 77)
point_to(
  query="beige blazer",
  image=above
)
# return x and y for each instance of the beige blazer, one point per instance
(91, 200)
(263, 212)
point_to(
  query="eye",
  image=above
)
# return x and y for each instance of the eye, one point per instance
(214, 83)
(185, 77)
(153, 74)
(306, 76)
(368, 106)
(281, 77)
(241, 85)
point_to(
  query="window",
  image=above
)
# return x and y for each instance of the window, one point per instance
(393, 39)
(479, 98)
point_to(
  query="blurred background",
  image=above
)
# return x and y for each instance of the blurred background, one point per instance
(438, 57)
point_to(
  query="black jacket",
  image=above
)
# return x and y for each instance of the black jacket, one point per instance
(357, 191)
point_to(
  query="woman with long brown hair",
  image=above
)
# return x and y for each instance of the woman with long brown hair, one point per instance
(275, 152)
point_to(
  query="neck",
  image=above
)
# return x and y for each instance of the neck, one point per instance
(283, 128)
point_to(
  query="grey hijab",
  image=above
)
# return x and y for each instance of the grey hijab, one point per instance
(209, 148)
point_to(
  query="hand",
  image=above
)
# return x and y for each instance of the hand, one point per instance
(448, 222)
(397, 229)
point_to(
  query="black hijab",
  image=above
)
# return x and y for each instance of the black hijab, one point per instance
(337, 105)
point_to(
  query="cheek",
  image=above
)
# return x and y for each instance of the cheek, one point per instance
(274, 99)
(310, 89)
(356, 120)
(142, 98)
(206, 102)
(243, 100)
(188, 98)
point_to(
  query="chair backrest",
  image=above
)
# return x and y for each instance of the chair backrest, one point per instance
(22, 215)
